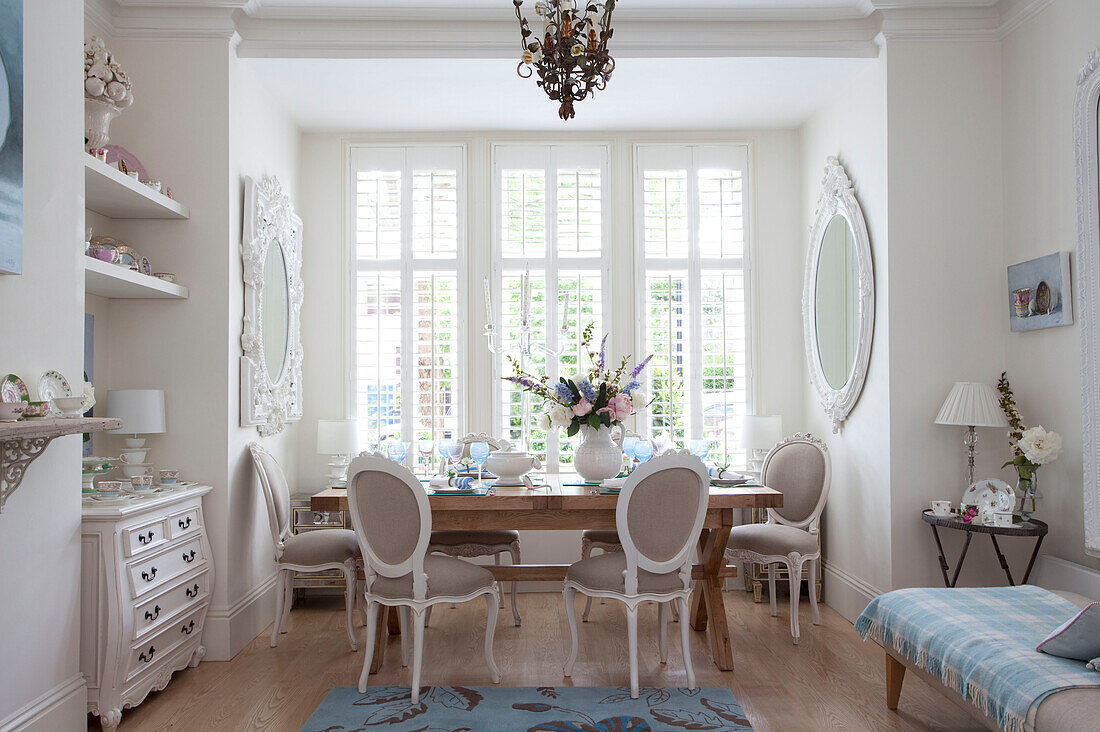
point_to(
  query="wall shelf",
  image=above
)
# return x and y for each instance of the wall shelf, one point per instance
(22, 442)
(111, 280)
(114, 194)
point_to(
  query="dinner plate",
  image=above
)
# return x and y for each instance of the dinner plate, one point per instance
(52, 385)
(12, 389)
(990, 496)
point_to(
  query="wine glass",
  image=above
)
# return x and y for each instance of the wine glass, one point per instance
(445, 448)
(455, 451)
(643, 450)
(479, 453)
(424, 449)
(397, 451)
(661, 443)
(699, 448)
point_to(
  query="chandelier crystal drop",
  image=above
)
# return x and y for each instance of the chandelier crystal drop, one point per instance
(571, 57)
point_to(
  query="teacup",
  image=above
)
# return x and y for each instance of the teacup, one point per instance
(131, 471)
(941, 508)
(11, 411)
(1002, 518)
(169, 476)
(36, 409)
(133, 457)
(72, 406)
(109, 488)
(141, 482)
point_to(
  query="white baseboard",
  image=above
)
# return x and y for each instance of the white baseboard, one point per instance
(1053, 573)
(844, 592)
(65, 706)
(229, 630)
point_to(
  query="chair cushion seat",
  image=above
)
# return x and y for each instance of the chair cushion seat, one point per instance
(312, 548)
(605, 572)
(447, 577)
(486, 538)
(772, 539)
(609, 537)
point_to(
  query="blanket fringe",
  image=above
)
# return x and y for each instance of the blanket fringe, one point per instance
(868, 628)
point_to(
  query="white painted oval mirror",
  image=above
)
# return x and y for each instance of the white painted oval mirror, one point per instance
(276, 312)
(838, 302)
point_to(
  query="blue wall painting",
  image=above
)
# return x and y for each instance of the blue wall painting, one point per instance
(1039, 293)
(11, 136)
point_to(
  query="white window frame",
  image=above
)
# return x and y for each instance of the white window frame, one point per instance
(693, 154)
(405, 265)
(549, 157)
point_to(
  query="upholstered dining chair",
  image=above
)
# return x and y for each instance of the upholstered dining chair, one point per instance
(800, 468)
(393, 523)
(312, 551)
(485, 543)
(658, 516)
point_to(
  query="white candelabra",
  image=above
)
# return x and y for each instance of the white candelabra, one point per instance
(492, 332)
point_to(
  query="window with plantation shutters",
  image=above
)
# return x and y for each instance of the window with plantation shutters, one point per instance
(690, 225)
(408, 242)
(549, 209)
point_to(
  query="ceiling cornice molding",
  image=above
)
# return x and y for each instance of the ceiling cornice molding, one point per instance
(313, 31)
(99, 18)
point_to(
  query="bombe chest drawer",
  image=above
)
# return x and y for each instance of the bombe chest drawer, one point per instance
(146, 578)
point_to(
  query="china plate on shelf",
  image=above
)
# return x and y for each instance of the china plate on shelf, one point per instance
(144, 267)
(52, 385)
(12, 389)
(990, 496)
(169, 487)
(98, 500)
(128, 258)
(117, 152)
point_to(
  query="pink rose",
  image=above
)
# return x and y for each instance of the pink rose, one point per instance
(582, 407)
(619, 407)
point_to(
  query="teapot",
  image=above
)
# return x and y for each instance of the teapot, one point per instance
(510, 465)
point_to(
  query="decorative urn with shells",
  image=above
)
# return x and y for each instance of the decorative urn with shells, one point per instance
(107, 91)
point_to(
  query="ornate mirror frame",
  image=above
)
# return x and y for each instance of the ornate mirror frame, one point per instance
(837, 197)
(1088, 286)
(269, 221)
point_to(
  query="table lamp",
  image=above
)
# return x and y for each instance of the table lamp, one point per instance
(338, 438)
(141, 412)
(759, 433)
(972, 404)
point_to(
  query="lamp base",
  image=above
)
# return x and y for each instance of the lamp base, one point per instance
(338, 468)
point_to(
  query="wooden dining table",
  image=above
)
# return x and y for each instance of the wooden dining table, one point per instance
(560, 503)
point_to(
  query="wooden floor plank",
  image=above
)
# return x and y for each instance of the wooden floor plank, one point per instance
(830, 681)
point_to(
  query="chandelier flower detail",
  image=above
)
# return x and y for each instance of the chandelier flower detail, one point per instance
(571, 58)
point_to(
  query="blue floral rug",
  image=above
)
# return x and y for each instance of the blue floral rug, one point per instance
(541, 709)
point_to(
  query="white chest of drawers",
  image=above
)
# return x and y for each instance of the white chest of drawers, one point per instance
(146, 579)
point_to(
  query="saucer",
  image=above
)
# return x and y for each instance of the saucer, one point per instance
(112, 501)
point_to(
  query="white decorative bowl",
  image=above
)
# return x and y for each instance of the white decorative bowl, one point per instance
(511, 465)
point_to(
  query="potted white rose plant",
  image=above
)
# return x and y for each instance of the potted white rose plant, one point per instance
(1031, 448)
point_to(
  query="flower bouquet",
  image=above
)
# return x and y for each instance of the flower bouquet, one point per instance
(1031, 448)
(591, 402)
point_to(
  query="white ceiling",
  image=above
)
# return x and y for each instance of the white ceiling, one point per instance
(475, 94)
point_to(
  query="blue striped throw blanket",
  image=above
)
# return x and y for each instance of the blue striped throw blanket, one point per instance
(981, 642)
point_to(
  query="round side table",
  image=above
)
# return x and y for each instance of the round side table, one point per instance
(1031, 527)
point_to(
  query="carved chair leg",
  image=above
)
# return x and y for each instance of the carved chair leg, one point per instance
(684, 642)
(568, 595)
(771, 587)
(418, 653)
(586, 552)
(490, 628)
(514, 551)
(368, 654)
(632, 647)
(496, 561)
(662, 629)
(794, 579)
(288, 600)
(812, 589)
(280, 602)
(350, 584)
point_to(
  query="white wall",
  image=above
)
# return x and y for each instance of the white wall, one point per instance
(777, 297)
(857, 524)
(263, 142)
(946, 324)
(1040, 64)
(40, 527)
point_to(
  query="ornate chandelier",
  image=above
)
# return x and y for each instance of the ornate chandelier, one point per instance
(571, 58)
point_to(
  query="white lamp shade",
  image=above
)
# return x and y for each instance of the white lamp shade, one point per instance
(761, 432)
(972, 404)
(141, 410)
(337, 437)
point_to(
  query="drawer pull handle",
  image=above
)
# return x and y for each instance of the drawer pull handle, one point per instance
(151, 616)
(189, 557)
(188, 629)
(145, 538)
(146, 659)
(184, 524)
(192, 592)
(148, 576)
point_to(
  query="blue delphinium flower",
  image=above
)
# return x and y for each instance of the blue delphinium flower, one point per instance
(631, 386)
(589, 391)
(564, 392)
(638, 369)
